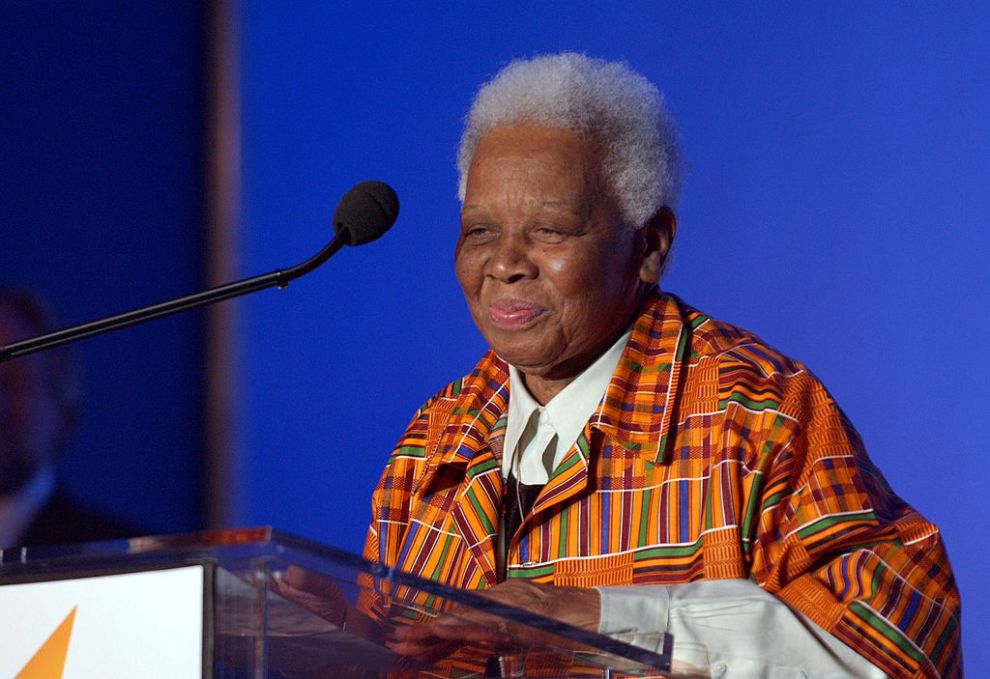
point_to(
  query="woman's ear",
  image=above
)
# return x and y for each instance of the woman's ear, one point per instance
(658, 234)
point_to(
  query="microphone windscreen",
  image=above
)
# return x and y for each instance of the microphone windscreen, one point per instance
(366, 211)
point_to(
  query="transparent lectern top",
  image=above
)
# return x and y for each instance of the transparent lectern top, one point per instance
(282, 606)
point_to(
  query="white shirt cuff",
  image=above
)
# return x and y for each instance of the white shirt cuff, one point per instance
(733, 628)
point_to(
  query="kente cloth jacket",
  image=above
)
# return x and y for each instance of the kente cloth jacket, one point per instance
(711, 456)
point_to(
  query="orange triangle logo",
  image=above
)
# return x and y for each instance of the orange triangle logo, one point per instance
(49, 661)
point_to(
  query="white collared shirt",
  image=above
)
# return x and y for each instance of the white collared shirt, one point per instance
(557, 424)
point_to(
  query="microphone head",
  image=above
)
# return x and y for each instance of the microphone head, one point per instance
(366, 211)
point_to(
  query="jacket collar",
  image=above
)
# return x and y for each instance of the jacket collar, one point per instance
(641, 399)
(636, 411)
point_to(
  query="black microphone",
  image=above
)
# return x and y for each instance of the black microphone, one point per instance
(363, 214)
(366, 212)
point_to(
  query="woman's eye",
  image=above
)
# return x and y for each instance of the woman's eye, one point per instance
(478, 232)
(549, 234)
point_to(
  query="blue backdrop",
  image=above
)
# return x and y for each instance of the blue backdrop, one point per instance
(835, 202)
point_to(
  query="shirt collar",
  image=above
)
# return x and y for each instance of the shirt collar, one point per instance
(566, 413)
(637, 409)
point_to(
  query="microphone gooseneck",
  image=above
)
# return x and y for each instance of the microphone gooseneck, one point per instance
(364, 213)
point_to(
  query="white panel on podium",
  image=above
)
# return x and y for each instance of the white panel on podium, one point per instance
(147, 624)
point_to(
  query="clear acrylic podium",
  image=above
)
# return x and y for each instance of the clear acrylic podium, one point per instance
(278, 606)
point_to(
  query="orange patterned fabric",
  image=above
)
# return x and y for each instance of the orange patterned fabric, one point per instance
(710, 456)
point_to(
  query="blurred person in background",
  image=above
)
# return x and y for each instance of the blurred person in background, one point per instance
(39, 408)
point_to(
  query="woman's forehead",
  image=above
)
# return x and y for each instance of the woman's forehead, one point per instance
(546, 167)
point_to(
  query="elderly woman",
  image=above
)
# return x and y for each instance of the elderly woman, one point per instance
(621, 461)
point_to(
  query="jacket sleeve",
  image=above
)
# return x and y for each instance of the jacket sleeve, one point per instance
(834, 542)
(390, 505)
(391, 501)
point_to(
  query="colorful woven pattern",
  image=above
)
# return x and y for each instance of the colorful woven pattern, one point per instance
(711, 456)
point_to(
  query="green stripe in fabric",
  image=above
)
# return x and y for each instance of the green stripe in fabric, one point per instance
(443, 559)
(582, 444)
(819, 526)
(749, 513)
(950, 628)
(632, 366)
(708, 504)
(661, 448)
(482, 467)
(562, 542)
(875, 580)
(680, 351)
(666, 552)
(645, 505)
(697, 320)
(409, 451)
(405, 613)
(533, 572)
(765, 404)
(473, 499)
(566, 464)
(774, 499)
(886, 629)
(682, 346)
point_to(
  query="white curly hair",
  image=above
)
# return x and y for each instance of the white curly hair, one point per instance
(615, 107)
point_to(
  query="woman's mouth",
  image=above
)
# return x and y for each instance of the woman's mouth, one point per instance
(512, 314)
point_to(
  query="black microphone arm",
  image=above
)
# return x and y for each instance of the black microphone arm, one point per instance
(365, 212)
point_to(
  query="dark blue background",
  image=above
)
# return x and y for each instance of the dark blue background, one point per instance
(100, 204)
